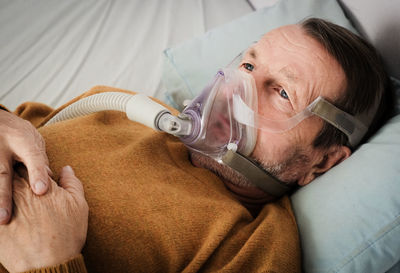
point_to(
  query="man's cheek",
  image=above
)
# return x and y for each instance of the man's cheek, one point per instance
(271, 147)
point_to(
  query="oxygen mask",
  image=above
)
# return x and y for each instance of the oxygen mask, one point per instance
(214, 124)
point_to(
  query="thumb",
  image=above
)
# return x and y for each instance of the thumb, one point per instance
(70, 182)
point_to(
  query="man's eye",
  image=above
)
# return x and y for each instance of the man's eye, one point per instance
(248, 66)
(283, 94)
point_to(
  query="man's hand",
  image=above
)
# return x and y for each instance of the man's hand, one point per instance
(20, 142)
(45, 230)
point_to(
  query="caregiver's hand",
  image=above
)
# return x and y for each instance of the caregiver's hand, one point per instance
(20, 142)
(45, 230)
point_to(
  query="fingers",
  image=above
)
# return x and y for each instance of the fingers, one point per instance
(70, 182)
(5, 191)
(26, 145)
(20, 142)
(32, 153)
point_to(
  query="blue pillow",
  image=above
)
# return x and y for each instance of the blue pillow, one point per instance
(349, 218)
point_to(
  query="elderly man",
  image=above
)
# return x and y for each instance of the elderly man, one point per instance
(156, 207)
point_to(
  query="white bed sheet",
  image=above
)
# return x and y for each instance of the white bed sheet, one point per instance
(52, 51)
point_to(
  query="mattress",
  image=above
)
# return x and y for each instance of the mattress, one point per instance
(52, 51)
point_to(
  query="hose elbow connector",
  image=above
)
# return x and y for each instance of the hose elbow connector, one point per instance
(178, 126)
(144, 110)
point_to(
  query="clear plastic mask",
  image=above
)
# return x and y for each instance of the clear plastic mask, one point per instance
(212, 112)
(225, 116)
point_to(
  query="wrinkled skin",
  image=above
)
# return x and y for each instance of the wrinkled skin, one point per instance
(44, 230)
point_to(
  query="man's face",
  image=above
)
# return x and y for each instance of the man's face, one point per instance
(290, 70)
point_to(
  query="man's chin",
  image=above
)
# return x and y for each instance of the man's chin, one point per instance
(251, 192)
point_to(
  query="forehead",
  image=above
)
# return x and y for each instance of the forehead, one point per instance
(291, 38)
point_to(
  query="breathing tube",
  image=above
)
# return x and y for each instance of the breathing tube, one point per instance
(138, 108)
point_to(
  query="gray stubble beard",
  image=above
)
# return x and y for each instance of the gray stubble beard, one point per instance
(287, 171)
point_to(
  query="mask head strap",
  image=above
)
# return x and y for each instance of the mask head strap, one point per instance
(352, 127)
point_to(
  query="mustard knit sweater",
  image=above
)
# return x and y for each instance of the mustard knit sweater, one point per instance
(151, 210)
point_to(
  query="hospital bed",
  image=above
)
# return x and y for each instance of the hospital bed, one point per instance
(52, 51)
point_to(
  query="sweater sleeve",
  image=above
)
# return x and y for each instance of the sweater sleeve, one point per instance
(75, 265)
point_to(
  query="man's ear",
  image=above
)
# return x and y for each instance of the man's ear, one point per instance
(329, 158)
